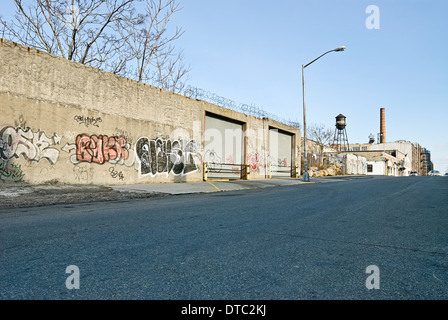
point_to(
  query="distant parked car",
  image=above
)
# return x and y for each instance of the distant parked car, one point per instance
(446, 174)
(434, 173)
(413, 173)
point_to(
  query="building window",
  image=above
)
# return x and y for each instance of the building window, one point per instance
(369, 168)
(355, 148)
(364, 148)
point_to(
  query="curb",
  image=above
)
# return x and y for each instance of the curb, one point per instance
(38, 196)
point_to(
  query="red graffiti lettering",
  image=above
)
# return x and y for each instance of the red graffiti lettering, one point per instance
(115, 148)
(254, 161)
(100, 149)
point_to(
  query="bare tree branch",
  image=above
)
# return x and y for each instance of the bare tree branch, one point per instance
(321, 134)
(151, 44)
(105, 34)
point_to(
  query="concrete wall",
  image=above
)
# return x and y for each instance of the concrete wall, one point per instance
(63, 122)
(356, 165)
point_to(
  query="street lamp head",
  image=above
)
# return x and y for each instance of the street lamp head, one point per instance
(340, 48)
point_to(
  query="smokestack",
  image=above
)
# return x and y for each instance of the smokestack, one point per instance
(382, 125)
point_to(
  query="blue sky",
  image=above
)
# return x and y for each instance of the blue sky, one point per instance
(251, 51)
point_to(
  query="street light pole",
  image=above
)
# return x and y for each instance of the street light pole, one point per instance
(306, 176)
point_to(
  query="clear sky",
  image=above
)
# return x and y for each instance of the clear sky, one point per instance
(251, 51)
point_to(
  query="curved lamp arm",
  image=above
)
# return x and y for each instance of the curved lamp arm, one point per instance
(337, 49)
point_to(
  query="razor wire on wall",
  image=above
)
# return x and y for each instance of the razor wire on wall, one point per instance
(251, 110)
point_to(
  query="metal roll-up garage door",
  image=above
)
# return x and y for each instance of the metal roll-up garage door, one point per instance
(280, 153)
(223, 147)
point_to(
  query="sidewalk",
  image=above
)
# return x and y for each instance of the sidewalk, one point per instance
(19, 196)
(205, 186)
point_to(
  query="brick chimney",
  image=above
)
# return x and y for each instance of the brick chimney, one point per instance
(382, 125)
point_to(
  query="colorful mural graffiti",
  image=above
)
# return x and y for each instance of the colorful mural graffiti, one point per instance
(100, 149)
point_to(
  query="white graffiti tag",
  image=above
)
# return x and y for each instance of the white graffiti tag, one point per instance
(33, 146)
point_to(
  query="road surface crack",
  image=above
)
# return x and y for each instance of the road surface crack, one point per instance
(361, 243)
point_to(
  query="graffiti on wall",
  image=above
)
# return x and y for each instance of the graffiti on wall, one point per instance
(83, 174)
(160, 156)
(116, 174)
(254, 160)
(100, 149)
(32, 145)
(356, 164)
(337, 159)
(10, 171)
(177, 157)
(283, 162)
(88, 121)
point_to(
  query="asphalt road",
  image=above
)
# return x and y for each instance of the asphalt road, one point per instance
(309, 241)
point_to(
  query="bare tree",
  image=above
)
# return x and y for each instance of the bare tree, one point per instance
(105, 34)
(151, 44)
(321, 134)
(81, 30)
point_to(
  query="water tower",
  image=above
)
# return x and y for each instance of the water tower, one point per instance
(340, 140)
